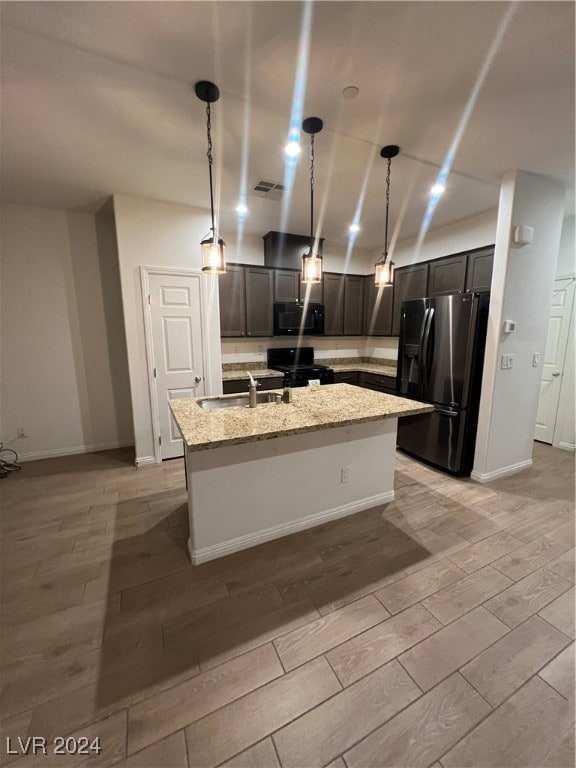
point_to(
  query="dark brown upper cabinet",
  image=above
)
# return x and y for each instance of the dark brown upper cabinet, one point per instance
(377, 308)
(479, 271)
(343, 304)
(353, 305)
(232, 294)
(447, 276)
(333, 304)
(312, 292)
(286, 285)
(409, 283)
(259, 301)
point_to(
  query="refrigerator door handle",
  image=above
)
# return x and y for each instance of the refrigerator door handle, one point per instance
(426, 344)
(420, 353)
(446, 411)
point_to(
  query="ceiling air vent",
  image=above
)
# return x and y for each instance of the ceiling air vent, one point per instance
(272, 190)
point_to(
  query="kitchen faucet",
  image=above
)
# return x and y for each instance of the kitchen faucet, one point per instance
(252, 389)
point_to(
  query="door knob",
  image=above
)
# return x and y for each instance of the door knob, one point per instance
(555, 374)
(198, 379)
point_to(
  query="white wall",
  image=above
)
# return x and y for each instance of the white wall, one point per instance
(522, 286)
(463, 235)
(566, 264)
(57, 378)
(157, 234)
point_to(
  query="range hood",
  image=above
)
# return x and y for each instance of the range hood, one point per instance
(284, 250)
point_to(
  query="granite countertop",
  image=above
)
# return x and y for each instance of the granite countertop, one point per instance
(312, 409)
(258, 373)
(383, 370)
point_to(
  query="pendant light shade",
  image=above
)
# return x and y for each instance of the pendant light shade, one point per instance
(312, 261)
(213, 256)
(212, 247)
(384, 271)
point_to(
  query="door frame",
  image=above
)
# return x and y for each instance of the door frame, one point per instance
(563, 394)
(145, 272)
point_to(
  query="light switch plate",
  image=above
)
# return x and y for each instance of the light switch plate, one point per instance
(506, 362)
(536, 359)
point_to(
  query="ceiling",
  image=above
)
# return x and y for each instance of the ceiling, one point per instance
(97, 100)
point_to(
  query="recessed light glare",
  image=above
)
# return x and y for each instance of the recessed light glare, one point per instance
(241, 208)
(437, 190)
(292, 148)
(354, 227)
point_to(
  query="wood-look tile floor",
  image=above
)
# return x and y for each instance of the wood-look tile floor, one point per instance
(434, 631)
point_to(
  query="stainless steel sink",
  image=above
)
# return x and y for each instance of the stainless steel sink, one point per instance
(212, 404)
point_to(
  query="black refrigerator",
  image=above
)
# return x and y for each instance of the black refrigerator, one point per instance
(440, 361)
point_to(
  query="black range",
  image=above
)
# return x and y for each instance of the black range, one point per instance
(298, 366)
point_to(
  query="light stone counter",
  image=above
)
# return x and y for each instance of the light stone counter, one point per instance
(382, 370)
(280, 468)
(312, 409)
(258, 373)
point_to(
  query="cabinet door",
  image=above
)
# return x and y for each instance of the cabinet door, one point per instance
(409, 283)
(346, 377)
(447, 276)
(259, 292)
(286, 285)
(272, 382)
(312, 292)
(378, 382)
(479, 272)
(232, 302)
(353, 305)
(377, 308)
(333, 304)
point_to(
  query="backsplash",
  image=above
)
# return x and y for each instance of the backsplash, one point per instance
(343, 348)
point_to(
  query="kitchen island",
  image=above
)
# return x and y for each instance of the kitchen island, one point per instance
(256, 474)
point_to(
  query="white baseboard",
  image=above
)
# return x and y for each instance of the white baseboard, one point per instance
(496, 474)
(566, 446)
(143, 461)
(72, 451)
(199, 556)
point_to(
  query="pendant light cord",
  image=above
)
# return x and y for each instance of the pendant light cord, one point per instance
(387, 206)
(209, 155)
(311, 192)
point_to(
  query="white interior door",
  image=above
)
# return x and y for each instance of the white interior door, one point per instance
(554, 357)
(176, 330)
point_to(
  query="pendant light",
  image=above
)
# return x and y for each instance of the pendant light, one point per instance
(312, 261)
(212, 247)
(384, 273)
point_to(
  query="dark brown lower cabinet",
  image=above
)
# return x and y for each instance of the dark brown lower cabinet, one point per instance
(346, 377)
(378, 382)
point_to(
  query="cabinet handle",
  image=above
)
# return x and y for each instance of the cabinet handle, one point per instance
(198, 379)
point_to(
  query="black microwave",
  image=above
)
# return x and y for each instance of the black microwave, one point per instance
(297, 317)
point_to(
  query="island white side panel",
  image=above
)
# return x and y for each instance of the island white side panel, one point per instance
(243, 495)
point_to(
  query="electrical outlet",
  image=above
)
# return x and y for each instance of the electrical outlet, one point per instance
(536, 359)
(21, 432)
(506, 362)
(345, 475)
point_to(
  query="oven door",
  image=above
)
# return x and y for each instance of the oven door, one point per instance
(313, 320)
